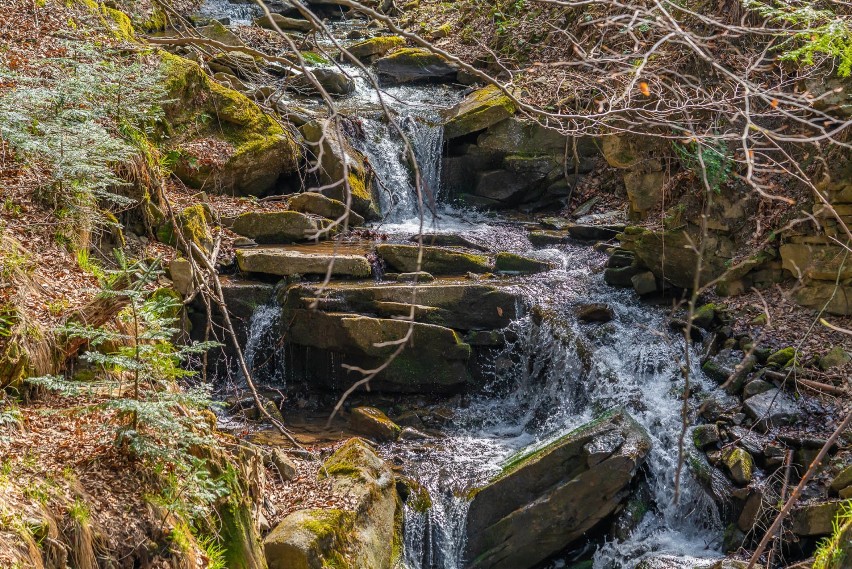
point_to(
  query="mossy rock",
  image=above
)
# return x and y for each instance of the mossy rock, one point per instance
(373, 423)
(275, 226)
(194, 226)
(740, 465)
(318, 204)
(340, 161)
(436, 260)
(115, 20)
(514, 263)
(251, 151)
(375, 47)
(782, 357)
(704, 316)
(414, 65)
(478, 111)
(834, 358)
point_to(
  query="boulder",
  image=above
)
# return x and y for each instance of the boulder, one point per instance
(180, 271)
(434, 359)
(756, 387)
(644, 283)
(593, 232)
(621, 276)
(740, 465)
(334, 82)
(275, 226)
(282, 463)
(333, 153)
(375, 47)
(771, 408)
(781, 358)
(461, 306)
(318, 204)
(372, 423)
(446, 240)
(283, 262)
(284, 23)
(253, 150)
(478, 111)
(414, 65)
(514, 263)
(834, 358)
(842, 480)
(364, 536)
(705, 435)
(547, 498)
(816, 519)
(547, 238)
(436, 260)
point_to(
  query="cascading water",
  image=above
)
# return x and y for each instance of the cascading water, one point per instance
(263, 354)
(557, 374)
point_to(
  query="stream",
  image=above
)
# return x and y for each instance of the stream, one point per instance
(554, 374)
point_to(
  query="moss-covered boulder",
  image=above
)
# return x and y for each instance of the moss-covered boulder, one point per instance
(367, 535)
(342, 169)
(478, 111)
(740, 465)
(217, 138)
(283, 263)
(194, 225)
(547, 498)
(373, 423)
(375, 47)
(276, 226)
(318, 204)
(836, 357)
(436, 260)
(514, 263)
(433, 360)
(414, 65)
(782, 357)
(816, 518)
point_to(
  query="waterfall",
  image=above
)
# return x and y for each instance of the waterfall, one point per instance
(557, 374)
(263, 353)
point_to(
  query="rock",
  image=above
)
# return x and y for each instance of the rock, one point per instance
(282, 463)
(283, 22)
(487, 338)
(620, 258)
(446, 240)
(842, 480)
(244, 242)
(318, 204)
(371, 422)
(420, 276)
(594, 232)
(514, 263)
(333, 152)
(520, 135)
(275, 226)
(282, 262)
(644, 283)
(704, 316)
(621, 276)
(334, 82)
(375, 47)
(434, 361)
(217, 32)
(461, 306)
(363, 536)
(180, 271)
(782, 357)
(705, 435)
(815, 519)
(740, 465)
(255, 150)
(436, 260)
(595, 313)
(236, 63)
(547, 238)
(478, 111)
(411, 434)
(771, 408)
(547, 498)
(231, 81)
(414, 65)
(836, 357)
(756, 387)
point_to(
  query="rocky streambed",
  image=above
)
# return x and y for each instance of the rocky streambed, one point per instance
(527, 393)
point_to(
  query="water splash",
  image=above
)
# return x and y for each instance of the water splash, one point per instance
(557, 374)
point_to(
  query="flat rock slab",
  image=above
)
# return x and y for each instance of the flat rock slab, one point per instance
(276, 226)
(436, 260)
(772, 408)
(547, 498)
(283, 262)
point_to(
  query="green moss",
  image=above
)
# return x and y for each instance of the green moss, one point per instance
(835, 551)
(156, 22)
(314, 58)
(782, 357)
(117, 21)
(479, 110)
(193, 222)
(376, 46)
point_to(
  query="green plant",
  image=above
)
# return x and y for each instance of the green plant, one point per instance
(816, 31)
(71, 116)
(158, 422)
(708, 159)
(832, 551)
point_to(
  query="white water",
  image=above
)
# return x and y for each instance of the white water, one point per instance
(540, 390)
(263, 354)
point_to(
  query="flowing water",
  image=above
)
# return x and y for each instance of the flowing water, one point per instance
(555, 372)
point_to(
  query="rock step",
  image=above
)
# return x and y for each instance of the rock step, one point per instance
(288, 262)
